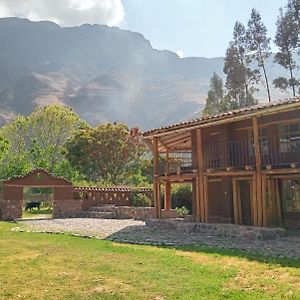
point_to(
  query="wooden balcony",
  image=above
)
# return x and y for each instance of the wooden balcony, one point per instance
(275, 153)
(176, 162)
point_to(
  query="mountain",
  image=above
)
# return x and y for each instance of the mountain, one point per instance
(103, 73)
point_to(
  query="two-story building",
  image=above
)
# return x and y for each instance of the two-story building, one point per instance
(244, 165)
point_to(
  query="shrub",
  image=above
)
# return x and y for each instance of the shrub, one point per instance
(182, 211)
(137, 199)
(181, 195)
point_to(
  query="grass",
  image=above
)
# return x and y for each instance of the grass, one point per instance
(43, 212)
(41, 266)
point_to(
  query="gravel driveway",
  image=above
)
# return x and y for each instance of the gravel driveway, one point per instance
(100, 228)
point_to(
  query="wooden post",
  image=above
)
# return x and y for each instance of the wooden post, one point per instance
(167, 198)
(251, 201)
(264, 197)
(200, 181)
(156, 184)
(278, 203)
(167, 164)
(235, 202)
(205, 192)
(259, 197)
(254, 199)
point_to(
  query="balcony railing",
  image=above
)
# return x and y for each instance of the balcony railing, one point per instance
(275, 152)
(176, 162)
(239, 154)
(229, 154)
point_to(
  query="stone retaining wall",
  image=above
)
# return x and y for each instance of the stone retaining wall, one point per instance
(230, 230)
(138, 213)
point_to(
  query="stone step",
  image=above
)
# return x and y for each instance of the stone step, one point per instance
(99, 214)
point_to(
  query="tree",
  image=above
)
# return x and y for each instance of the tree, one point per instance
(215, 96)
(287, 41)
(108, 152)
(240, 78)
(293, 9)
(38, 141)
(258, 44)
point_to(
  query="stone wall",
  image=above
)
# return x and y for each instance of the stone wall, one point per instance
(231, 230)
(138, 213)
(10, 209)
(67, 208)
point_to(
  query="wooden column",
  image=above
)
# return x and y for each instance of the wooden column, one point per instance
(167, 164)
(205, 196)
(200, 182)
(235, 202)
(278, 202)
(156, 183)
(254, 200)
(259, 198)
(167, 198)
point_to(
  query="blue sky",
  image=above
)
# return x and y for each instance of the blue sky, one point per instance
(196, 27)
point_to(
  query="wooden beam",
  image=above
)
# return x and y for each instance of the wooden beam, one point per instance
(278, 202)
(200, 165)
(229, 173)
(205, 192)
(155, 178)
(167, 196)
(197, 202)
(283, 171)
(175, 138)
(254, 200)
(235, 202)
(265, 184)
(258, 172)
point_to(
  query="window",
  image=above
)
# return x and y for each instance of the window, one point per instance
(289, 137)
(291, 195)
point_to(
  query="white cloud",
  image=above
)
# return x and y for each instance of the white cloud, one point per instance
(180, 53)
(66, 12)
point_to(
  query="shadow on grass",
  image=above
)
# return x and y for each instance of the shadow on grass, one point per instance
(143, 235)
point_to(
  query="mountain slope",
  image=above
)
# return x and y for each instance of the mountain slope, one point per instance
(105, 74)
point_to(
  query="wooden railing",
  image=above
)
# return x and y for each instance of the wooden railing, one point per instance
(176, 162)
(275, 152)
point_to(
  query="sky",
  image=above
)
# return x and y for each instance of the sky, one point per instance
(188, 27)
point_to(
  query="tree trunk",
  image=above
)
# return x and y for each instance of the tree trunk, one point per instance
(266, 79)
(292, 80)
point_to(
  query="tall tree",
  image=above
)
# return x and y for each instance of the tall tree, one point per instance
(105, 153)
(286, 40)
(259, 45)
(240, 78)
(293, 9)
(215, 96)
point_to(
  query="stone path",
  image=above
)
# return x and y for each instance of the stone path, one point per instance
(135, 232)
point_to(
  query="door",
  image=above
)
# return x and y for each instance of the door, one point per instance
(242, 201)
(245, 193)
(290, 191)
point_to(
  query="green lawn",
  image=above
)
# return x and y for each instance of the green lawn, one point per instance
(41, 266)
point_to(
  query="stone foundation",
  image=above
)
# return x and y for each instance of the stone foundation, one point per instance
(138, 213)
(230, 230)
